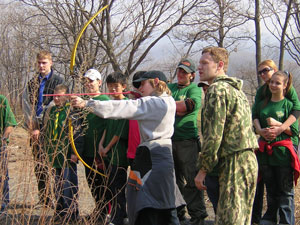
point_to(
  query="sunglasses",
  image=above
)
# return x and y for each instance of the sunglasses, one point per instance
(265, 70)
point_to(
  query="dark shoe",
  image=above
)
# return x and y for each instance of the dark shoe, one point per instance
(74, 219)
(199, 221)
(126, 221)
(57, 219)
(266, 222)
(184, 221)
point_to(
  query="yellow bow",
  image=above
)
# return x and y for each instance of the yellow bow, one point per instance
(76, 152)
(72, 63)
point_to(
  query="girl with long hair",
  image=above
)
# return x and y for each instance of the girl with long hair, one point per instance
(266, 69)
(277, 159)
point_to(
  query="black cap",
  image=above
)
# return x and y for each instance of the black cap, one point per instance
(137, 76)
(152, 74)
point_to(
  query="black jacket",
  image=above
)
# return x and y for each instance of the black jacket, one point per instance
(34, 86)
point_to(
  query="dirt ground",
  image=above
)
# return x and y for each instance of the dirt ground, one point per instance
(23, 189)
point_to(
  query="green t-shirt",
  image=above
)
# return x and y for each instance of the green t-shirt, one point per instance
(57, 144)
(95, 127)
(280, 111)
(6, 115)
(117, 155)
(264, 92)
(185, 127)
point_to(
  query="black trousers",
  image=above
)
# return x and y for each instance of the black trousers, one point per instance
(150, 216)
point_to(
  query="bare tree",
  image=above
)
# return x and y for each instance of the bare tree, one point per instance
(15, 52)
(256, 19)
(217, 22)
(278, 23)
(293, 38)
(121, 37)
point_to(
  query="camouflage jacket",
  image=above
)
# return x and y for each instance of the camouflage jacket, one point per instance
(226, 122)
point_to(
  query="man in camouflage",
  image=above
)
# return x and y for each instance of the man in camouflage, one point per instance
(228, 140)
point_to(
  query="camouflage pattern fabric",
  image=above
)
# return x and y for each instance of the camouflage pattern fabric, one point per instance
(237, 188)
(228, 143)
(226, 122)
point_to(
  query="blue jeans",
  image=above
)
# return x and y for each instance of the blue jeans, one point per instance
(66, 191)
(4, 178)
(280, 194)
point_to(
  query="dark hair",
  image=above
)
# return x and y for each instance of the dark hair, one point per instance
(288, 79)
(116, 77)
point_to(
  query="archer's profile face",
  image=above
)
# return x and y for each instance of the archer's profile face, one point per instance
(146, 88)
(44, 66)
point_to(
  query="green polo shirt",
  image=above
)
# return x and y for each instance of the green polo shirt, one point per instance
(94, 131)
(117, 155)
(185, 127)
(6, 115)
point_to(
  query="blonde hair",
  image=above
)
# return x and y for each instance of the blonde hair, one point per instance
(61, 87)
(270, 63)
(160, 88)
(44, 55)
(218, 54)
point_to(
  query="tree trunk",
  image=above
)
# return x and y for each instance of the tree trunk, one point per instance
(257, 39)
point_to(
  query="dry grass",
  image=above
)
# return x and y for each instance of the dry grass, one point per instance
(23, 189)
(23, 208)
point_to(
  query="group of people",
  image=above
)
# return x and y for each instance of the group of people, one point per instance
(157, 136)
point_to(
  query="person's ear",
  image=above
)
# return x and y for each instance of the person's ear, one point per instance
(192, 76)
(100, 83)
(124, 86)
(156, 81)
(220, 65)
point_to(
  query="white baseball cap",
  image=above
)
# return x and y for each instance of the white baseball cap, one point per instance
(93, 74)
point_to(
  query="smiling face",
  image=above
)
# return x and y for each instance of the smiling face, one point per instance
(277, 85)
(92, 86)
